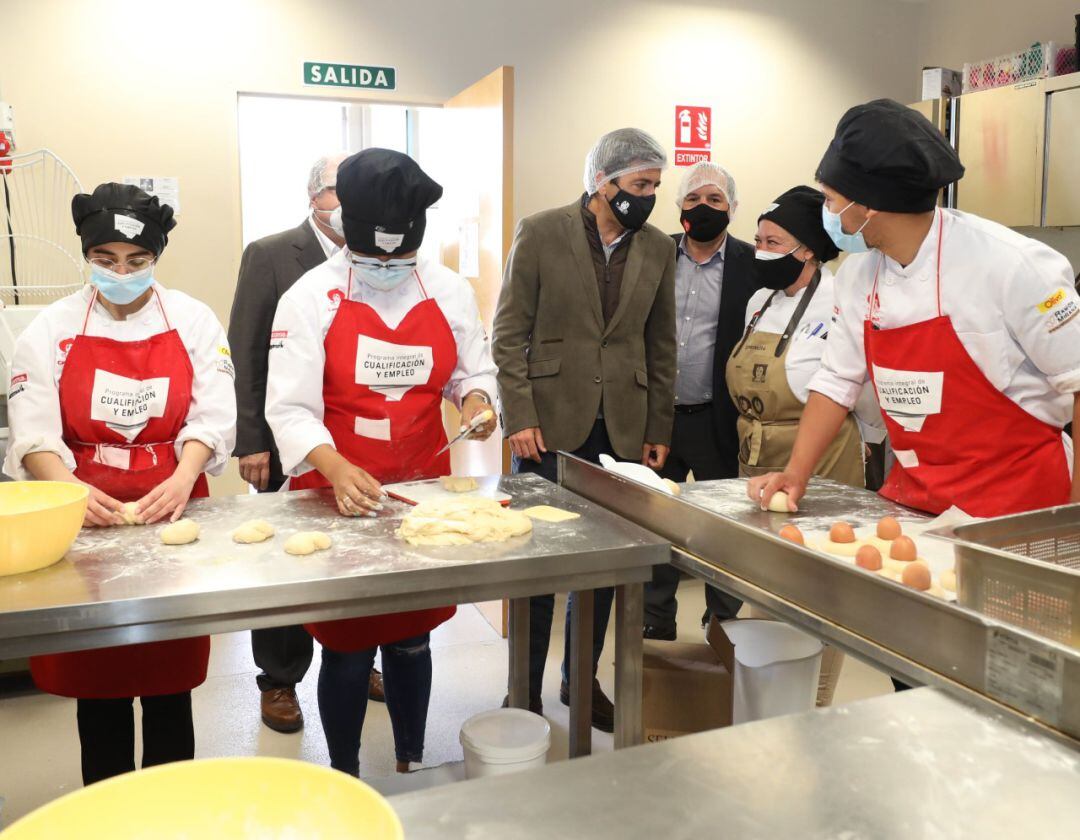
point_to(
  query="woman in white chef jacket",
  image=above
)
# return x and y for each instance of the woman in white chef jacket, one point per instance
(126, 387)
(768, 373)
(364, 349)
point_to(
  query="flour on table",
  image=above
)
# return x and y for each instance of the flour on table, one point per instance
(470, 519)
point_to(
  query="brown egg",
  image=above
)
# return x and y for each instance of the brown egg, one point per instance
(790, 532)
(868, 557)
(903, 548)
(888, 528)
(916, 575)
(841, 532)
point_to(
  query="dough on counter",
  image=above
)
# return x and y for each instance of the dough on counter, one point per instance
(469, 519)
(547, 513)
(253, 531)
(779, 502)
(180, 532)
(948, 580)
(307, 542)
(130, 513)
(458, 483)
(675, 489)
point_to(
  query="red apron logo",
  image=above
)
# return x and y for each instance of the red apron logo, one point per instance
(336, 296)
(65, 345)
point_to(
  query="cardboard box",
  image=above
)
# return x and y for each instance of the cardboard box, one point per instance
(939, 82)
(686, 688)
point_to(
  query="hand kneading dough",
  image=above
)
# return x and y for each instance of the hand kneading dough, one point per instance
(307, 542)
(130, 513)
(181, 532)
(672, 486)
(458, 483)
(779, 502)
(547, 513)
(462, 521)
(255, 531)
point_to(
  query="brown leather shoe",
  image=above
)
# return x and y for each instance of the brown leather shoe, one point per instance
(603, 711)
(375, 687)
(281, 710)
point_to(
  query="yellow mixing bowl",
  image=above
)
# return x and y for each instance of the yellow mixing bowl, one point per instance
(39, 521)
(234, 798)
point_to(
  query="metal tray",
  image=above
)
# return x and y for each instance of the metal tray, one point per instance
(1023, 569)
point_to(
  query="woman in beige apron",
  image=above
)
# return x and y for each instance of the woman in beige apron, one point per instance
(769, 371)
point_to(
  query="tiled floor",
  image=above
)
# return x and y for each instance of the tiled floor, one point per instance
(39, 757)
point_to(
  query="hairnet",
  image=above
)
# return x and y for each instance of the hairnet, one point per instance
(705, 173)
(619, 153)
(324, 173)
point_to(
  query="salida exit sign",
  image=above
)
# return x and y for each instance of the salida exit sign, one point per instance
(333, 74)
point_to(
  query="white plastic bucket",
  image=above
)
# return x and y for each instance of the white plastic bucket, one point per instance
(504, 741)
(776, 669)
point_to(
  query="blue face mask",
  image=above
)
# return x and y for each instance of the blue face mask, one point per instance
(380, 275)
(853, 243)
(121, 288)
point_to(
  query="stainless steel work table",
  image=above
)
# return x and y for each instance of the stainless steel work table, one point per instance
(122, 585)
(919, 764)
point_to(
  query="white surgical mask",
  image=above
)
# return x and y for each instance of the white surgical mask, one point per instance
(382, 275)
(335, 222)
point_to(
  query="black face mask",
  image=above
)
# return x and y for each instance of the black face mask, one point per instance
(777, 274)
(703, 223)
(631, 211)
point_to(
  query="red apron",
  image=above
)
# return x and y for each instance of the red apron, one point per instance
(958, 440)
(382, 392)
(122, 404)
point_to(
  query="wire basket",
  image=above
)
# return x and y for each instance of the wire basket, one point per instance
(1036, 62)
(1024, 569)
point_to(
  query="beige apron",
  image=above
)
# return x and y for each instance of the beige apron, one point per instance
(769, 411)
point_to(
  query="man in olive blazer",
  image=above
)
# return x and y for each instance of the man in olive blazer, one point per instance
(584, 339)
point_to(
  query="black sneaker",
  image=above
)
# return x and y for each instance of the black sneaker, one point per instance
(536, 705)
(663, 634)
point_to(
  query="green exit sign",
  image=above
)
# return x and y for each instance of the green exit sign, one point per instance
(331, 74)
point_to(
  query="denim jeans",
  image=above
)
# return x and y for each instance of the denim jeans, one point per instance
(542, 607)
(343, 699)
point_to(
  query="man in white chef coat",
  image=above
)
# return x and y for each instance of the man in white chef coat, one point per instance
(968, 330)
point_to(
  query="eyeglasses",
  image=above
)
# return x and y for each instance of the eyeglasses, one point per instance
(134, 264)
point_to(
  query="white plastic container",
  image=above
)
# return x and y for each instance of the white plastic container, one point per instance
(504, 741)
(776, 669)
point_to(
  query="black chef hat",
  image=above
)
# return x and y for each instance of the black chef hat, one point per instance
(798, 211)
(889, 157)
(384, 197)
(122, 213)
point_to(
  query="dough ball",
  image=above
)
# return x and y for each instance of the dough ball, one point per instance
(307, 542)
(790, 532)
(130, 513)
(916, 575)
(888, 528)
(903, 549)
(779, 503)
(948, 580)
(469, 519)
(868, 557)
(458, 483)
(255, 531)
(181, 532)
(842, 532)
(675, 489)
(547, 513)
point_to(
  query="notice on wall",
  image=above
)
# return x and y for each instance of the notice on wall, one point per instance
(693, 134)
(167, 190)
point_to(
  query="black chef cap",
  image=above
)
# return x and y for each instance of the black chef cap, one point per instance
(122, 213)
(384, 197)
(889, 157)
(798, 211)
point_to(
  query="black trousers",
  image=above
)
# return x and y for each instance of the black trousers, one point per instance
(693, 448)
(107, 733)
(283, 654)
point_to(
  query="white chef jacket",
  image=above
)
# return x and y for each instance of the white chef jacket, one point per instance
(294, 386)
(807, 345)
(1011, 300)
(34, 397)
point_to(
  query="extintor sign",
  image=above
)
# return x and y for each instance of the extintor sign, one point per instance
(693, 134)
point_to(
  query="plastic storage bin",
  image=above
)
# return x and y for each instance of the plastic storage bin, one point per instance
(776, 669)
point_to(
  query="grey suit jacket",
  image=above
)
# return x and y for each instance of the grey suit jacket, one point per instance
(268, 269)
(557, 360)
